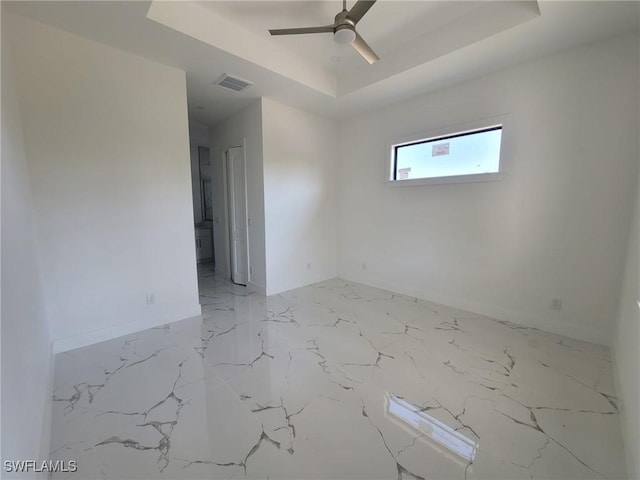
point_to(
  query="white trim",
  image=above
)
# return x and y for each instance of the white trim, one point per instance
(259, 289)
(568, 329)
(89, 338)
(627, 423)
(227, 242)
(503, 120)
(225, 159)
(475, 178)
(246, 210)
(45, 440)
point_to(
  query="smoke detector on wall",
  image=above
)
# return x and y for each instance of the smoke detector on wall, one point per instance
(232, 82)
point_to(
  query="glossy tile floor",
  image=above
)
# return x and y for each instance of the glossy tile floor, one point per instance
(336, 381)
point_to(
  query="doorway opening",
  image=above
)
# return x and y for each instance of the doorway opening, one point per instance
(203, 210)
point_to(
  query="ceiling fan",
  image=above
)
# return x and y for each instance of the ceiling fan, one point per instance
(343, 29)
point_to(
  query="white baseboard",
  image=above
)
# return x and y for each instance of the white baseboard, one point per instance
(300, 284)
(103, 334)
(45, 439)
(628, 393)
(572, 330)
(260, 290)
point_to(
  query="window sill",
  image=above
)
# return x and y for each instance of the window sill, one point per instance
(475, 178)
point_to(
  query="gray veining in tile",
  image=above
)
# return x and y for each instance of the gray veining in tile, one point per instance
(336, 381)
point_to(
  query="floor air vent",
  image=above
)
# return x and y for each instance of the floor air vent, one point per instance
(234, 83)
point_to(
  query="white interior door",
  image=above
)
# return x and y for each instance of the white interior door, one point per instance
(237, 202)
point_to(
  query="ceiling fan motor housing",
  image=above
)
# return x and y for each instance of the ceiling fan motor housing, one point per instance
(345, 31)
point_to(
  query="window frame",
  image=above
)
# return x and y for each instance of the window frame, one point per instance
(452, 131)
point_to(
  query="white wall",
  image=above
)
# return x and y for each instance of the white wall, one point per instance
(556, 227)
(300, 171)
(626, 350)
(198, 137)
(108, 151)
(241, 129)
(26, 345)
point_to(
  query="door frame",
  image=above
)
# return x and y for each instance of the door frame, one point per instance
(227, 209)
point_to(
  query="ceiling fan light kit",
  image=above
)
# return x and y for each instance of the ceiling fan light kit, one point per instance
(344, 35)
(343, 29)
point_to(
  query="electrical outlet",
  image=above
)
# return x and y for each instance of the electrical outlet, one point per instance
(151, 299)
(250, 269)
(556, 304)
(308, 265)
(364, 266)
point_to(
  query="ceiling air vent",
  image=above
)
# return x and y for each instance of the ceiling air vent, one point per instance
(234, 83)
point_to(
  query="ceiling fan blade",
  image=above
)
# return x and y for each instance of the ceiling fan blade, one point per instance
(365, 50)
(298, 31)
(359, 9)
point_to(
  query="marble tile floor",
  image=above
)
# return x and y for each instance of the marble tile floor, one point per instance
(336, 381)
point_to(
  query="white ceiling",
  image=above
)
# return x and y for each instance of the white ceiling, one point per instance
(423, 45)
(385, 27)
